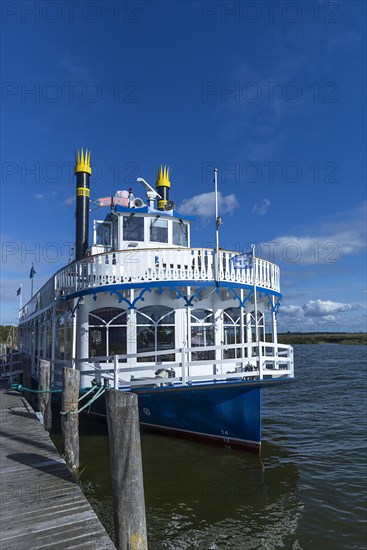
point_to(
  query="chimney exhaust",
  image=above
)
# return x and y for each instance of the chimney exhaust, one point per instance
(83, 172)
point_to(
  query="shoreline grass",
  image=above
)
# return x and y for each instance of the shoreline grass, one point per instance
(344, 339)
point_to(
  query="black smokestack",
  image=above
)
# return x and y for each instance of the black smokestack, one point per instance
(83, 172)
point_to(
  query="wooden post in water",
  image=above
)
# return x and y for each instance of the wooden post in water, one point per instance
(126, 470)
(70, 422)
(44, 397)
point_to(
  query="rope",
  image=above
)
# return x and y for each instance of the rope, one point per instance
(100, 391)
(98, 394)
(21, 388)
(88, 392)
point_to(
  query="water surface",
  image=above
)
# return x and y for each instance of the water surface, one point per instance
(308, 490)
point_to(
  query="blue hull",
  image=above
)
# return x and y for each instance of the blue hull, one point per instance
(228, 414)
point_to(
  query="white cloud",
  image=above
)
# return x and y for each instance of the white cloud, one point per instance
(325, 243)
(323, 308)
(39, 197)
(262, 209)
(317, 308)
(321, 316)
(203, 205)
(292, 311)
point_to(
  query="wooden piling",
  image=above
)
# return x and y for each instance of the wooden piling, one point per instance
(70, 422)
(26, 367)
(126, 470)
(44, 397)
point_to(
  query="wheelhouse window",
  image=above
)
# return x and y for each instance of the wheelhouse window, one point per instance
(179, 236)
(107, 332)
(104, 234)
(133, 228)
(202, 333)
(159, 230)
(231, 332)
(155, 331)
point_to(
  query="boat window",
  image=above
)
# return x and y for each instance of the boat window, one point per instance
(133, 228)
(202, 334)
(155, 331)
(179, 233)
(103, 234)
(107, 332)
(159, 230)
(231, 332)
(260, 326)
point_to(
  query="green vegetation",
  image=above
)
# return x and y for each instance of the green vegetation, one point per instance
(8, 334)
(344, 338)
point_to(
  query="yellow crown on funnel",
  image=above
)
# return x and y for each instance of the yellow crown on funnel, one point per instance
(163, 174)
(82, 162)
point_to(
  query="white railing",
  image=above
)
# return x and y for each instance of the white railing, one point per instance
(166, 264)
(263, 361)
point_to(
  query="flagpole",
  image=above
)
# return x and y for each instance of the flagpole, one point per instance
(218, 222)
(255, 292)
(32, 274)
(20, 296)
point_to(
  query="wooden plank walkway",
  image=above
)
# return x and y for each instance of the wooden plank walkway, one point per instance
(41, 504)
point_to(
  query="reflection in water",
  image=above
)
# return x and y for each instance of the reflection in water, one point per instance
(306, 492)
(199, 496)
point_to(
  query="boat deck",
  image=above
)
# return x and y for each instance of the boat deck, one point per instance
(41, 504)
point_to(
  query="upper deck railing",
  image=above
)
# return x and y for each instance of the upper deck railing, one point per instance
(167, 264)
(125, 267)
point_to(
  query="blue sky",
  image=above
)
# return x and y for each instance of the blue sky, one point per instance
(271, 93)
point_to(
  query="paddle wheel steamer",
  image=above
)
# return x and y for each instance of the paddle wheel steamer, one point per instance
(193, 331)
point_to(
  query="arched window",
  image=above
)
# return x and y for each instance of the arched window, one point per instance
(232, 332)
(202, 333)
(107, 332)
(260, 326)
(155, 331)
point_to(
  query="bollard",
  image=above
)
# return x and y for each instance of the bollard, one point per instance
(70, 422)
(126, 470)
(44, 397)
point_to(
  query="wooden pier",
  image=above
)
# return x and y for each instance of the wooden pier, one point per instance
(42, 506)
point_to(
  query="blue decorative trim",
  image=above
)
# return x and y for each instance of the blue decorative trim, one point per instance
(131, 305)
(174, 285)
(140, 297)
(73, 309)
(276, 306)
(242, 302)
